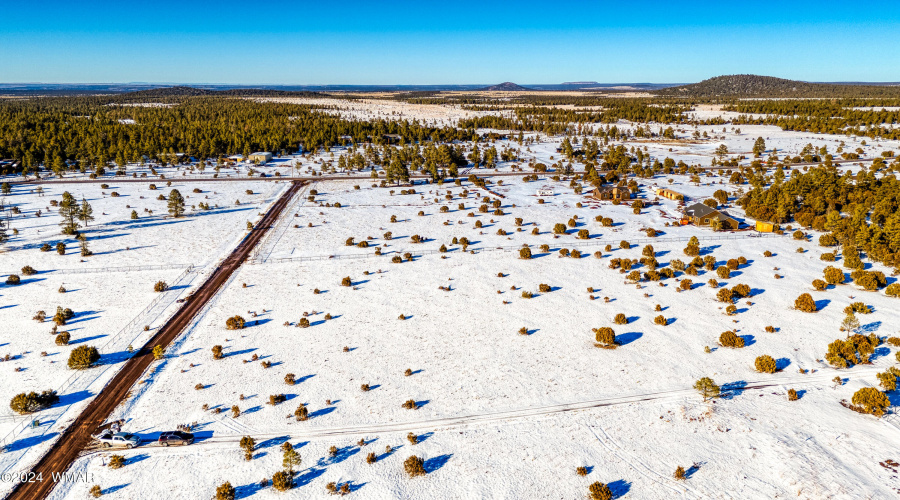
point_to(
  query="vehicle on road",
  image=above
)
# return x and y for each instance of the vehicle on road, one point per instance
(108, 439)
(175, 438)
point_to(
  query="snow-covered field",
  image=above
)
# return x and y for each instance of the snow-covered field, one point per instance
(487, 393)
(500, 414)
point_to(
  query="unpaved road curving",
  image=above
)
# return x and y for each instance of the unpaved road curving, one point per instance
(78, 435)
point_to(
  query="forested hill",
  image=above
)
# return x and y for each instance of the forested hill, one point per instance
(769, 86)
(184, 91)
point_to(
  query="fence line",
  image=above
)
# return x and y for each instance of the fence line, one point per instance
(122, 269)
(508, 248)
(26, 420)
(280, 228)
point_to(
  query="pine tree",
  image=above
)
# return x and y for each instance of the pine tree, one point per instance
(759, 147)
(291, 458)
(69, 211)
(176, 203)
(85, 212)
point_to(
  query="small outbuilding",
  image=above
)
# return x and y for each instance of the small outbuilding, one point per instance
(261, 157)
(765, 227)
(669, 194)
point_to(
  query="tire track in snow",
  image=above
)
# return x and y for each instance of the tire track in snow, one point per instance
(643, 470)
(505, 415)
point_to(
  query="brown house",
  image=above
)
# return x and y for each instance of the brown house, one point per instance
(702, 215)
(611, 193)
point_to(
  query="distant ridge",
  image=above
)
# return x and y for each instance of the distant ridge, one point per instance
(505, 87)
(185, 91)
(769, 86)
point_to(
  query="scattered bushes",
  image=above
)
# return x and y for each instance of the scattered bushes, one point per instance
(544, 288)
(741, 290)
(725, 295)
(723, 272)
(31, 402)
(410, 404)
(303, 323)
(276, 399)
(620, 319)
(827, 240)
(827, 257)
(414, 466)
(282, 481)
(661, 320)
(83, 357)
(234, 323)
(870, 400)
(857, 308)
(805, 303)
(854, 350)
(559, 229)
(302, 413)
(888, 379)
(116, 462)
(686, 284)
(13, 279)
(834, 276)
(605, 336)
(346, 281)
(217, 352)
(868, 280)
(225, 491)
(62, 315)
(62, 339)
(792, 395)
(28, 271)
(766, 364)
(893, 290)
(599, 491)
(160, 286)
(730, 339)
(819, 285)
(525, 253)
(583, 234)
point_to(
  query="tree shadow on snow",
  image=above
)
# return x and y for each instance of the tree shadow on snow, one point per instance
(113, 489)
(86, 339)
(619, 488)
(821, 304)
(433, 464)
(322, 412)
(733, 389)
(627, 338)
(782, 363)
(276, 441)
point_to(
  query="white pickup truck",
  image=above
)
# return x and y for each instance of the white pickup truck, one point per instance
(108, 439)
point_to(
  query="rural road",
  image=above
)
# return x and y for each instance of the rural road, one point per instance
(78, 435)
(332, 177)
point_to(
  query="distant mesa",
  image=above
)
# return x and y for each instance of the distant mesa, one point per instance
(505, 87)
(770, 86)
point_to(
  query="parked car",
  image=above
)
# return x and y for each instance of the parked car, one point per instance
(175, 437)
(109, 439)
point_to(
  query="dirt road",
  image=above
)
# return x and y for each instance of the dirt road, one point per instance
(78, 435)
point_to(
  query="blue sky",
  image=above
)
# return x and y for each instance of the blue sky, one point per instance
(458, 42)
